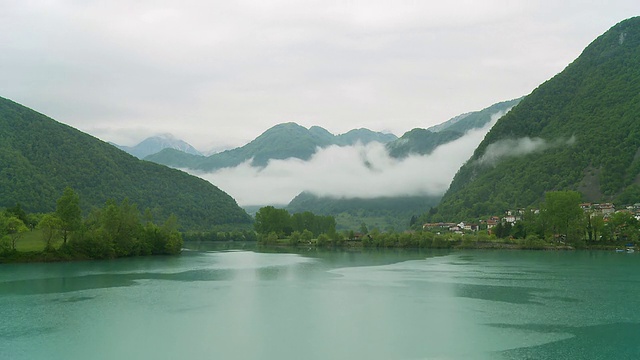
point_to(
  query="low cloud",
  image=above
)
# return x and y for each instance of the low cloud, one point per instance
(520, 147)
(365, 171)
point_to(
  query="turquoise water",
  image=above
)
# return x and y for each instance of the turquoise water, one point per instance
(325, 305)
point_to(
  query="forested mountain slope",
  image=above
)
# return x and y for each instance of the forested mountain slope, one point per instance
(39, 157)
(424, 141)
(579, 130)
(282, 141)
(381, 212)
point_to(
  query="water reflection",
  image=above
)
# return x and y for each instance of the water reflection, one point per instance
(324, 304)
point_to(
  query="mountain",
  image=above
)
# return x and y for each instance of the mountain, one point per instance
(382, 212)
(39, 157)
(420, 142)
(283, 141)
(579, 131)
(475, 120)
(156, 144)
(363, 136)
(424, 141)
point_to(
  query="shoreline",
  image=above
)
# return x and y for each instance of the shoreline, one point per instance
(23, 257)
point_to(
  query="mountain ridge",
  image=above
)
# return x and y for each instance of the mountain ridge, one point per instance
(421, 141)
(282, 141)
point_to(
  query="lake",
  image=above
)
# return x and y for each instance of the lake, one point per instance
(321, 304)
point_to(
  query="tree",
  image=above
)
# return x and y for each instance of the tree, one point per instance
(624, 226)
(323, 240)
(498, 230)
(15, 228)
(269, 219)
(519, 230)
(563, 212)
(50, 226)
(295, 238)
(307, 235)
(363, 229)
(69, 213)
(597, 226)
(18, 212)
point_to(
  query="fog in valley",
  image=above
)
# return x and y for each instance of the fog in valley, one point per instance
(365, 171)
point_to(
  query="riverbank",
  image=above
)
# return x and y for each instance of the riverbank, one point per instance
(65, 256)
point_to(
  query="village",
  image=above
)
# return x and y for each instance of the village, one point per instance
(512, 217)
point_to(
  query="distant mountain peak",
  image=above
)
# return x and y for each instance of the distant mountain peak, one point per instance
(155, 144)
(282, 141)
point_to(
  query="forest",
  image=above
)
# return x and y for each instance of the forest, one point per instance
(578, 131)
(112, 231)
(40, 157)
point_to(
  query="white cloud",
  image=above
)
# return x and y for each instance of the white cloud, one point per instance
(355, 171)
(519, 147)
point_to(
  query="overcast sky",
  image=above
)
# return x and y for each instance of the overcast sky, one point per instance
(219, 73)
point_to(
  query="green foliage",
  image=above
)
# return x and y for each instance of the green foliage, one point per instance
(587, 114)
(40, 157)
(236, 235)
(563, 213)
(323, 240)
(279, 221)
(623, 226)
(295, 237)
(307, 235)
(420, 142)
(351, 213)
(424, 141)
(50, 225)
(272, 220)
(15, 229)
(69, 213)
(474, 120)
(116, 230)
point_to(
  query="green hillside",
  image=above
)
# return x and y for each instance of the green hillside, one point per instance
(424, 141)
(476, 119)
(382, 212)
(420, 142)
(579, 131)
(39, 157)
(282, 141)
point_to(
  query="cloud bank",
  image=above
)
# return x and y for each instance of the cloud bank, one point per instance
(520, 147)
(364, 171)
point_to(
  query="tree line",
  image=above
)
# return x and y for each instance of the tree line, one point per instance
(115, 230)
(272, 224)
(560, 219)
